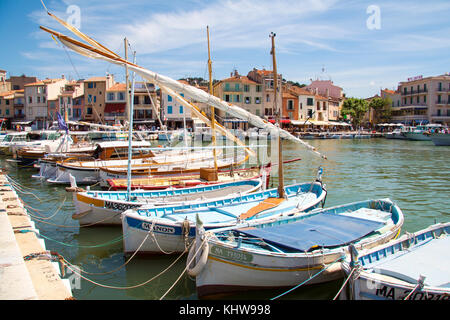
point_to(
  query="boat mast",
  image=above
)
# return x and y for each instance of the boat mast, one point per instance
(213, 125)
(127, 95)
(278, 115)
(130, 131)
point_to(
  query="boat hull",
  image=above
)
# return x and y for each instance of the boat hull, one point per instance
(417, 136)
(168, 235)
(230, 266)
(104, 210)
(376, 281)
(440, 139)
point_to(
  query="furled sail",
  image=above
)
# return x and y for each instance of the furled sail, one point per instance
(97, 51)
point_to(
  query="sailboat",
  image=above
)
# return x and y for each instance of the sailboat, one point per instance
(137, 223)
(173, 227)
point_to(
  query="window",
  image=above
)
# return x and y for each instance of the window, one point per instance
(43, 99)
(324, 106)
(237, 98)
(318, 105)
(111, 96)
(290, 105)
(258, 88)
(258, 112)
(92, 85)
(309, 101)
(169, 98)
(136, 100)
(267, 98)
(38, 99)
(246, 88)
(89, 98)
(120, 96)
(169, 109)
(227, 87)
(425, 87)
(95, 99)
(425, 99)
(257, 100)
(89, 110)
(7, 102)
(226, 97)
(247, 100)
(181, 109)
(236, 87)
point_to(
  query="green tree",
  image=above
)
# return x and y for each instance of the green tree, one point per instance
(356, 109)
(382, 110)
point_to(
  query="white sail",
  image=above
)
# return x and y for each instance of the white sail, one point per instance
(176, 87)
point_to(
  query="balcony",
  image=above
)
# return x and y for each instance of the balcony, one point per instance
(442, 102)
(411, 92)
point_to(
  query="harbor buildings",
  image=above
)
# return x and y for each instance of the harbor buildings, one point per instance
(95, 97)
(36, 97)
(424, 100)
(69, 103)
(173, 114)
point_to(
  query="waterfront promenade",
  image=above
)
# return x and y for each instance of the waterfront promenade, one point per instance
(25, 272)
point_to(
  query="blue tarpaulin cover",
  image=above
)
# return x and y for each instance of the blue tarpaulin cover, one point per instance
(323, 230)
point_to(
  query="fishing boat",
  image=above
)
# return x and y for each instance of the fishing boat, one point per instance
(173, 227)
(56, 168)
(169, 165)
(412, 267)
(27, 156)
(283, 252)
(204, 177)
(105, 207)
(440, 139)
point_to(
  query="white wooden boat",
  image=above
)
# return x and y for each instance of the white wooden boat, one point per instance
(173, 227)
(302, 247)
(412, 267)
(105, 207)
(53, 170)
(168, 165)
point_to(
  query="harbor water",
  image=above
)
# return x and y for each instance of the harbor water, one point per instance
(414, 174)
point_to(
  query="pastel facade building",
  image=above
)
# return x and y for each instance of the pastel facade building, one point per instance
(266, 80)
(95, 98)
(334, 93)
(70, 101)
(36, 97)
(424, 100)
(241, 91)
(173, 113)
(115, 103)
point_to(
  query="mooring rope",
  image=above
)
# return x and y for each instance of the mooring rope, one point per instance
(309, 279)
(200, 247)
(130, 287)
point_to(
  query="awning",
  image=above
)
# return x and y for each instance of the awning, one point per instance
(285, 121)
(115, 107)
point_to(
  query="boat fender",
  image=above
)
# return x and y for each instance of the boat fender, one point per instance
(198, 267)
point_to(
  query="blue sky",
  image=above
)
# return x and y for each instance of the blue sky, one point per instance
(169, 37)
